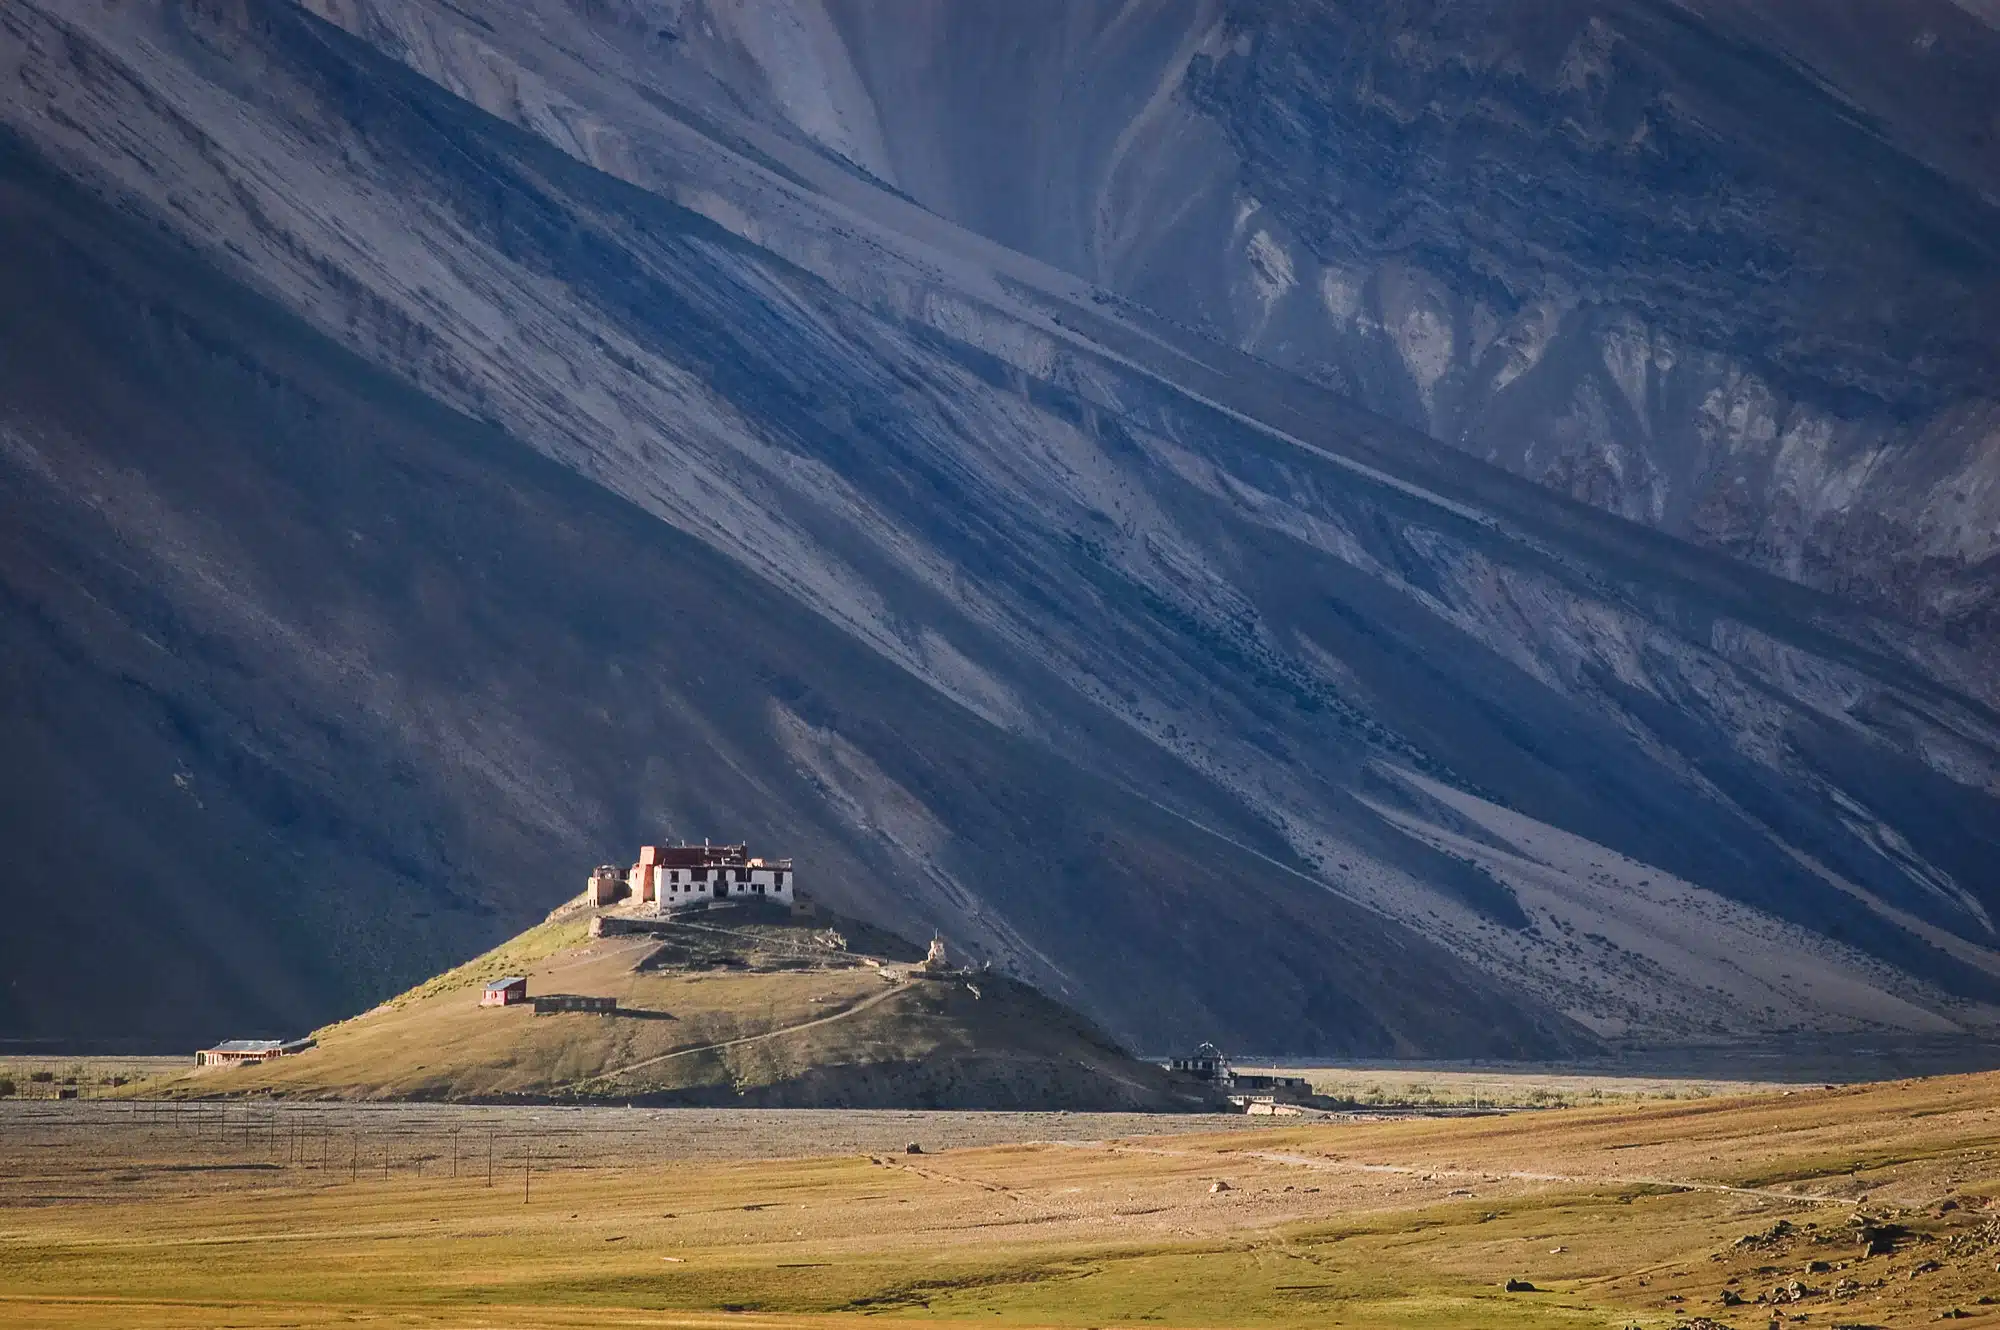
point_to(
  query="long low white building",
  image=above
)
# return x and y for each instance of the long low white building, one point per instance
(670, 875)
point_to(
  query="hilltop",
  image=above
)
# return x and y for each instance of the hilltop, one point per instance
(743, 1005)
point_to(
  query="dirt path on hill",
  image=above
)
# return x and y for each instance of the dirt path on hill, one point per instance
(590, 956)
(816, 1021)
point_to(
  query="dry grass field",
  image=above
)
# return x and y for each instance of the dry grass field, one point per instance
(1432, 1089)
(1865, 1206)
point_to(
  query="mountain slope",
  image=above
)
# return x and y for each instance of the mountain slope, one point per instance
(315, 685)
(1154, 672)
(1724, 268)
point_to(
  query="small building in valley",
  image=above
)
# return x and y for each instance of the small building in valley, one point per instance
(505, 992)
(1270, 1082)
(1251, 1091)
(237, 1052)
(1204, 1064)
(1207, 1063)
(680, 875)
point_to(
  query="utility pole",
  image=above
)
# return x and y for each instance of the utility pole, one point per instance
(489, 1156)
(528, 1170)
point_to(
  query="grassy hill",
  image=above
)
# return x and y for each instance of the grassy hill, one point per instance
(740, 1006)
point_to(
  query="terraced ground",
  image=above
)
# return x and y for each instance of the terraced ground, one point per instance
(1866, 1206)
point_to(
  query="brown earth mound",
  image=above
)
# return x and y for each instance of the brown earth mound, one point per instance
(732, 1007)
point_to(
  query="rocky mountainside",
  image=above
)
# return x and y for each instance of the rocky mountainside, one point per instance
(445, 444)
(1726, 268)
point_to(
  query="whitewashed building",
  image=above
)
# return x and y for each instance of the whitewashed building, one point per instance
(679, 875)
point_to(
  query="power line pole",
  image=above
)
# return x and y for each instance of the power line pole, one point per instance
(528, 1171)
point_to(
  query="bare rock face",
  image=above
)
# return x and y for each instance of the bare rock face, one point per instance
(1651, 260)
(1098, 481)
(1727, 269)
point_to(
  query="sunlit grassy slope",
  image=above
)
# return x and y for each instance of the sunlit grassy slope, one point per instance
(1651, 1215)
(746, 1008)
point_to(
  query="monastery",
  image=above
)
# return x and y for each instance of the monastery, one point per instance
(669, 876)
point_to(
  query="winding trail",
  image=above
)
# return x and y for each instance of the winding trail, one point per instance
(844, 1013)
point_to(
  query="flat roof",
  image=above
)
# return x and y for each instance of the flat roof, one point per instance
(505, 983)
(256, 1045)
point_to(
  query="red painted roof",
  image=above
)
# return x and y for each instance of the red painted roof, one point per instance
(695, 856)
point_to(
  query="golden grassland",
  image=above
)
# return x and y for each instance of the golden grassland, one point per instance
(1427, 1087)
(1625, 1215)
